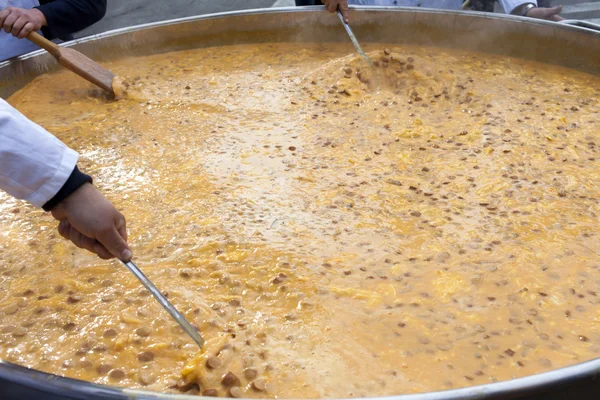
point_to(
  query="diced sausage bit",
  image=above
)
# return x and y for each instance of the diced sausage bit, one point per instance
(28, 323)
(146, 378)
(259, 385)
(213, 362)
(103, 368)
(235, 392)
(146, 356)
(194, 388)
(229, 379)
(186, 386)
(250, 373)
(73, 299)
(116, 374)
(210, 393)
(110, 332)
(69, 326)
(279, 278)
(143, 331)
(100, 348)
(19, 332)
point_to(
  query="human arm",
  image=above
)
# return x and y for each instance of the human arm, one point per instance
(519, 7)
(549, 14)
(91, 222)
(37, 167)
(20, 22)
(69, 16)
(56, 19)
(342, 5)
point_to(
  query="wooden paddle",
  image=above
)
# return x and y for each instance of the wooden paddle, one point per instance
(76, 62)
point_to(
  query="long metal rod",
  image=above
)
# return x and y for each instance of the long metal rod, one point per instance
(187, 327)
(354, 40)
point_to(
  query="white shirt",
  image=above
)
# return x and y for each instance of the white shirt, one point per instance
(509, 5)
(34, 165)
(10, 46)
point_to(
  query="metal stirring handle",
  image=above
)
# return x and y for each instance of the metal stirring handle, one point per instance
(187, 327)
(354, 40)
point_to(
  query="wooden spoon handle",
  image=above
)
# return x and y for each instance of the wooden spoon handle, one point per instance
(44, 43)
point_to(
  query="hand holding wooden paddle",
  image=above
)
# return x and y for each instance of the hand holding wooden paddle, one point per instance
(76, 62)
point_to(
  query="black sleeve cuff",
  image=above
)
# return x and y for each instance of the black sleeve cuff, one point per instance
(75, 181)
(66, 17)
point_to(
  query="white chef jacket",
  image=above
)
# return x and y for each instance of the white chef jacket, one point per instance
(11, 46)
(509, 5)
(34, 165)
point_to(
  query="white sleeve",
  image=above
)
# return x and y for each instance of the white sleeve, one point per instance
(510, 5)
(34, 165)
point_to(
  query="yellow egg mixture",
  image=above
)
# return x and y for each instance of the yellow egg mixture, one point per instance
(332, 230)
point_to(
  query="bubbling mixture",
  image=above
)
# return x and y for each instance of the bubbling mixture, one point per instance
(332, 230)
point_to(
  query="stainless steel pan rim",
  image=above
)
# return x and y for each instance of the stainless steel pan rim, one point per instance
(76, 389)
(109, 45)
(573, 26)
(84, 390)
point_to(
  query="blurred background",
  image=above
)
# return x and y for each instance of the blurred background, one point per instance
(134, 12)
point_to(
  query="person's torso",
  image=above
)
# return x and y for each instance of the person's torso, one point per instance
(9, 45)
(441, 4)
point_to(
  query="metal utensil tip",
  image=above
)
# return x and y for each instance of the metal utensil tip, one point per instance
(354, 39)
(177, 316)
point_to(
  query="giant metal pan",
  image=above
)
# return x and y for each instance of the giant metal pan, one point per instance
(574, 46)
